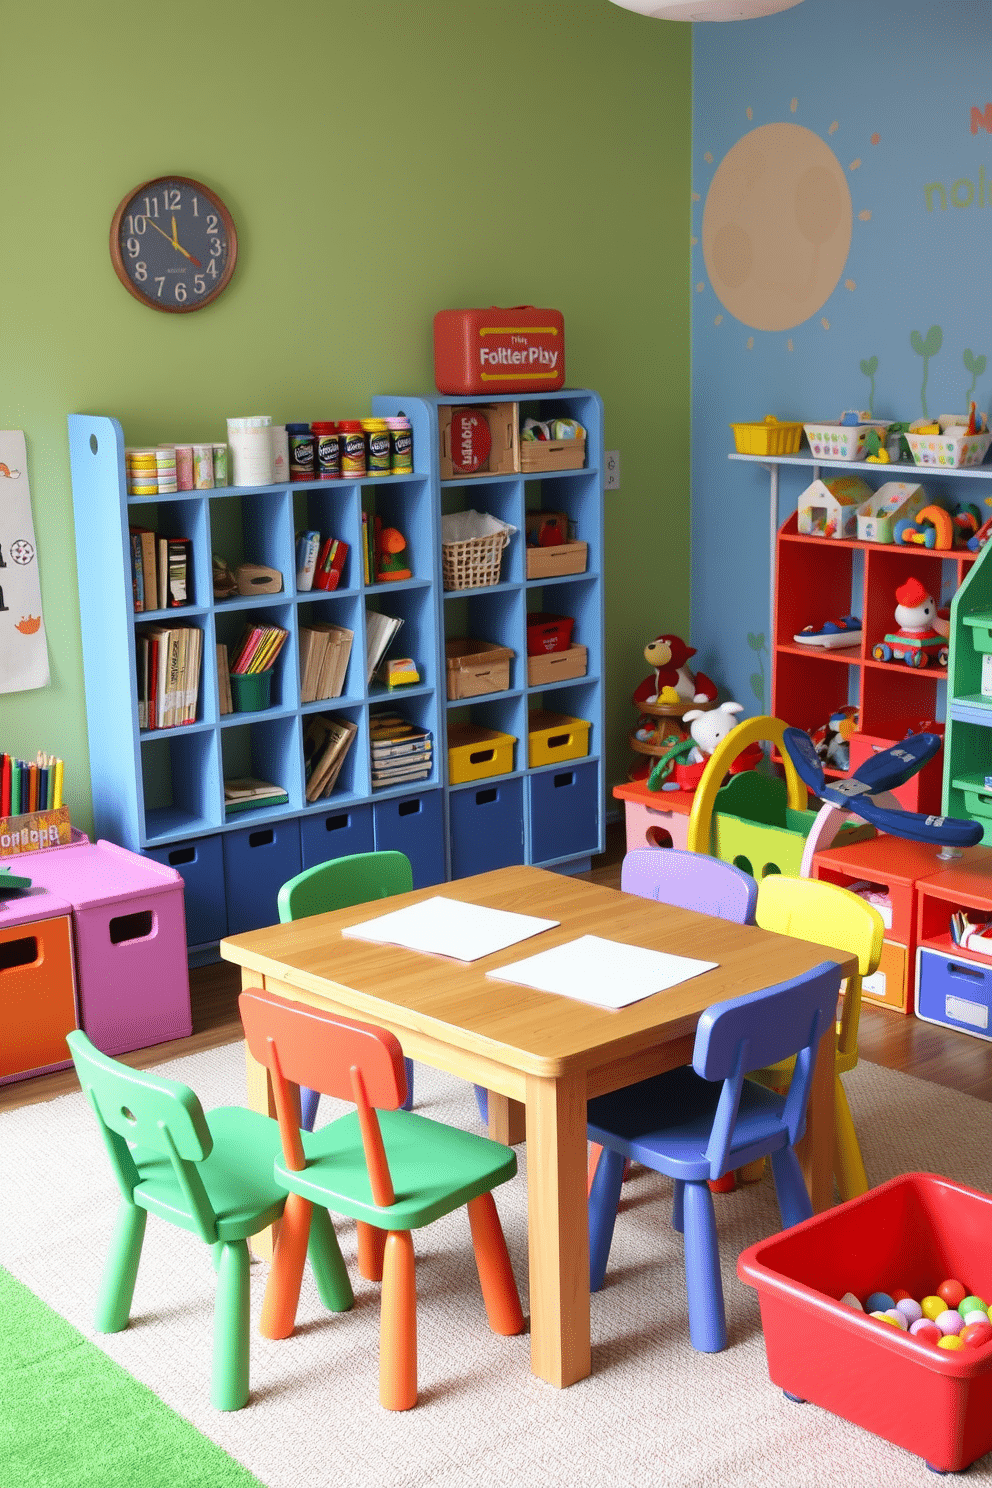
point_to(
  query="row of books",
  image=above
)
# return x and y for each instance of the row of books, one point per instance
(257, 649)
(161, 570)
(250, 794)
(324, 653)
(34, 785)
(379, 633)
(326, 741)
(401, 750)
(972, 930)
(168, 675)
(319, 563)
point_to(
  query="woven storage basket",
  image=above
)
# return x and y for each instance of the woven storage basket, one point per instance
(473, 563)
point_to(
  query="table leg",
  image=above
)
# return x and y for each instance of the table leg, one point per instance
(816, 1149)
(558, 1229)
(507, 1119)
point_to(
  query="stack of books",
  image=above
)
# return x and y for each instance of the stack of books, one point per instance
(249, 794)
(326, 741)
(257, 649)
(401, 750)
(972, 930)
(167, 667)
(161, 570)
(379, 631)
(319, 565)
(324, 653)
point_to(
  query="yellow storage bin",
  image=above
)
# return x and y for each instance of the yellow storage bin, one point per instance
(475, 753)
(557, 736)
(769, 438)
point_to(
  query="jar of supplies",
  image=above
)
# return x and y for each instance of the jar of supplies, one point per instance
(352, 443)
(400, 445)
(302, 452)
(328, 444)
(377, 445)
(250, 442)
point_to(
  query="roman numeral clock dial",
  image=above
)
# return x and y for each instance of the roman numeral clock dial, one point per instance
(173, 244)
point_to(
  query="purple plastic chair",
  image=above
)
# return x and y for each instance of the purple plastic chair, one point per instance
(690, 880)
(695, 1124)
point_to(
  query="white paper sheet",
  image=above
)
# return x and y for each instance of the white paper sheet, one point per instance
(447, 927)
(605, 972)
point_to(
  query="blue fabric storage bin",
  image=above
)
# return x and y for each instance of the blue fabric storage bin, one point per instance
(413, 825)
(336, 834)
(564, 812)
(200, 865)
(954, 992)
(486, 826)
(257, 862)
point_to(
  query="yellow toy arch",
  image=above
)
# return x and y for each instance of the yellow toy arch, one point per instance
(751, 731)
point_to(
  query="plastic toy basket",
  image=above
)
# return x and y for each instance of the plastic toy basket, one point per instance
(954, 449)
(472, 546)
(768, 438)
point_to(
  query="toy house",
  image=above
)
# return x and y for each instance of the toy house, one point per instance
(828, 507)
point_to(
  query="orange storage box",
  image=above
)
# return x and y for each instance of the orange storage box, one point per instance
(521, 350)
(37, 986)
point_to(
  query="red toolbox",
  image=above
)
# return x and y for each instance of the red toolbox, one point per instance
(520, 350)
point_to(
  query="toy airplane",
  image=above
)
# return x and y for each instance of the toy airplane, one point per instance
(875, 778)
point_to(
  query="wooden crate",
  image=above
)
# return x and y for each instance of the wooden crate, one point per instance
(476, 667)
(551, 454)
(557, 666)
(566, 558)
(503, 457)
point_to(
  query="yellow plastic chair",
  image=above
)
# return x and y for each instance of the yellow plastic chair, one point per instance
(826, 914)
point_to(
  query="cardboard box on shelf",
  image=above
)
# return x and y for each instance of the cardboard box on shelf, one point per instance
(478, 439)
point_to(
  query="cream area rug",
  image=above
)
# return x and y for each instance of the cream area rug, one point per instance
(653, 1412)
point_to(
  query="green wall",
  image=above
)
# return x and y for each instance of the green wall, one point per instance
(381, 162)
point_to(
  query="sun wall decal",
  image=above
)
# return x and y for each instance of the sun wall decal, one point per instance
(777, 226)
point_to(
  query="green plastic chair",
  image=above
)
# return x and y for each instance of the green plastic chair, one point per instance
(338, 884)
(211, 1174)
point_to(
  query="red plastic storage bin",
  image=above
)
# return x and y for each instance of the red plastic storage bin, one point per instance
(548, 633)
(521, 350)
(913, 1232)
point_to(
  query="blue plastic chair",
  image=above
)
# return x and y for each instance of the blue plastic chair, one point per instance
(695, 1124)
(359, 878)
(690, 880)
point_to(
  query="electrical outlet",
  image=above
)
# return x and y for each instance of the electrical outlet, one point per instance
(612, 467)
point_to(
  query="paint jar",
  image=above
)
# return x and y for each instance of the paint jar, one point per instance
(376, 445)
(400, 445)
(203, 467)
(184, 467)
(302, 452)
(328, 443)
(352, 445)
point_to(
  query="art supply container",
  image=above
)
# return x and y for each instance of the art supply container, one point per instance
(250, 441)
(302, 452)
(251, 691)
(400, 446)
(184, 467)
(142, 472)
(328, 443)
(280, 453)
(203, 467)
(377, 444)
(220, 465)
(165, 469)
(352, 437)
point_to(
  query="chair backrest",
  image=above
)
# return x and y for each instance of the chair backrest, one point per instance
(154, 1114)
(761, 1028)
(339, 1057)
(341, 882)
(690, 881)
(826, 914)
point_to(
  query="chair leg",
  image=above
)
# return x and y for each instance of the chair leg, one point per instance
(371, 1247)
(113, 1307)
(229, 1389)
(482, 1101)
(398, 1326)
(678, 1207)
(282, 1292)
(408, 1103)
(499, 1289)
(707, 1318)
(604, 1201)
(849, 1167)
(790, 1190)
(309, 1101)
(327, 1264)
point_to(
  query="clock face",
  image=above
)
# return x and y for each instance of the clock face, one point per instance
(173, 244)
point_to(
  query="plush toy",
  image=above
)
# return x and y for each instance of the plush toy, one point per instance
(672, 683)
(681, 767)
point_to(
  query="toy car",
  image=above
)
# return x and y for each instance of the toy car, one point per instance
(915, 649)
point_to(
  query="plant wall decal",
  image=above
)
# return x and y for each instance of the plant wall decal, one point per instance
(869, 368)
(757, 645)
(926, 347)
(976, 366)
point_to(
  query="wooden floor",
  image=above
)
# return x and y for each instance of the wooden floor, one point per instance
(940, 1055)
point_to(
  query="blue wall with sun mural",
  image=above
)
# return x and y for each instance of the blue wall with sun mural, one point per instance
(841, 259)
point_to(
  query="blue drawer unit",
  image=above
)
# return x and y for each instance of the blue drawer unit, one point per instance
(200, 864)
(413, 825)
(486, 826)
(564, 812)
(954, 992)
(257, 862)
(336, 834)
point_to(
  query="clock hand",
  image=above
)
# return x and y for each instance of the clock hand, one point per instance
(179, 246)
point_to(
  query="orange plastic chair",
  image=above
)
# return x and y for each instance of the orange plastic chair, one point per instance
(391, 1170)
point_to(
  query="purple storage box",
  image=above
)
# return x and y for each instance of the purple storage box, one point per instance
(132, 980)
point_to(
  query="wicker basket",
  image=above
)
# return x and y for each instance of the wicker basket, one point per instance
(473, 564)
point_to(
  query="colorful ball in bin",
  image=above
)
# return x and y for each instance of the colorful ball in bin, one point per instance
(926, 1330)
(850, 1300)
(897, 1317)
(952, 1292)
(884, 1317)
(879, 1302)
(950, 1341)
(949, 1321)
(910, 1309)
(976, 1335)
(933, 1307)
(972, 1304)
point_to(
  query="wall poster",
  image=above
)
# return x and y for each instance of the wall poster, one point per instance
(23, 644)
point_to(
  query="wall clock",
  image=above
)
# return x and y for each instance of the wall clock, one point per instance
(173, 244)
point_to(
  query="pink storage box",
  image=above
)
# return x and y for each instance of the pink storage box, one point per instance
(654, 818)
(130, 933)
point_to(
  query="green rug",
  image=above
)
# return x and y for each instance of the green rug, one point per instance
(72, 1416)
